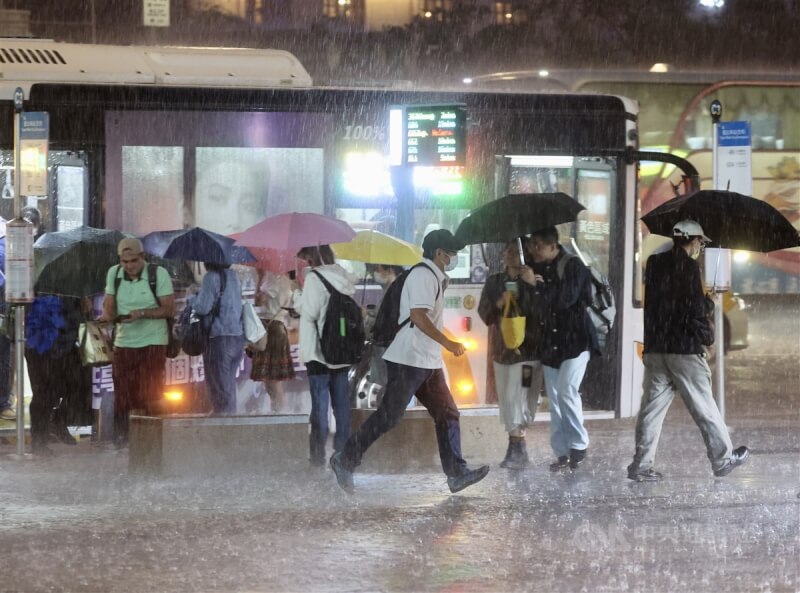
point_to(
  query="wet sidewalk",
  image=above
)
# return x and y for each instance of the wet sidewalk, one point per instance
(79, 522)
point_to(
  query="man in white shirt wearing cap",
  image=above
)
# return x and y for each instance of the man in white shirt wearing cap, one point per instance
(414, 365)
(676, 329)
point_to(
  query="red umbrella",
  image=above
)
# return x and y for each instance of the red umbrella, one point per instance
(291, 232)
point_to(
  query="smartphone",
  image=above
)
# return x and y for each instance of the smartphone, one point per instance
(527, 375)
(512, 287)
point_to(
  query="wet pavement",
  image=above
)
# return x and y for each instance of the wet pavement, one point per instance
(78, 522)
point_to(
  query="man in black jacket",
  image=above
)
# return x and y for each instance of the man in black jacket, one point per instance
(676, 327)
(568, 339)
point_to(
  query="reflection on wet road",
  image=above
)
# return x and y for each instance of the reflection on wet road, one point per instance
(79, 523)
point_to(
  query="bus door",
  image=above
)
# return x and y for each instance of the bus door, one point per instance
(591, 181)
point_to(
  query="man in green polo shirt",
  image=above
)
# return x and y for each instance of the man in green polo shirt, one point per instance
(140, 343)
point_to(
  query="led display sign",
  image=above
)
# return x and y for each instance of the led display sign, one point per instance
(428, 135)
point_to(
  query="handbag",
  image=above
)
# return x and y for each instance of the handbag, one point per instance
(174, 344)
(95, 344)
(512, 324)
(194, 330)
(255, 334)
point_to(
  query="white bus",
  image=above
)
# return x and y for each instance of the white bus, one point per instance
(154, 138)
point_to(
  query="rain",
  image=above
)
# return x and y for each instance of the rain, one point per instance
(178, 517)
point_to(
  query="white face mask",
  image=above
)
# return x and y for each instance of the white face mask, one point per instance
(452, 265)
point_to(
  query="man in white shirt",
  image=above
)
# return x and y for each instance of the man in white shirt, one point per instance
(414, 364)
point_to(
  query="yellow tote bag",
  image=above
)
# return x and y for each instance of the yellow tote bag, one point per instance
(512, 328)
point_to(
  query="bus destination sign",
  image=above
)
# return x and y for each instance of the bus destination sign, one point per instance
(435, 135)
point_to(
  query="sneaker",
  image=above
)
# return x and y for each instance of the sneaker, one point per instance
(738, 457)
(576, 457)
(560, 463)
(344, 476)
(644, 475)
(8, 414)
(467, 478)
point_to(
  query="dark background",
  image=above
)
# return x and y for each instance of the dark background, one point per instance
(742, 34)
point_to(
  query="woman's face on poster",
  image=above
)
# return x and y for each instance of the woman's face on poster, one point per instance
(231, 196)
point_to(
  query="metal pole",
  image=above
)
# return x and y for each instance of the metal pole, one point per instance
(19, 311)
(719, 323)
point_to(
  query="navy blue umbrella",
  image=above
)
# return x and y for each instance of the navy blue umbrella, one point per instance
(195, 244)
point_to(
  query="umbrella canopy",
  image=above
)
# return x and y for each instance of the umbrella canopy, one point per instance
(291, 232)
(731, 220)
(75, 262)
(273, 260)
(515, 215)
(374, 247)
(195, 244)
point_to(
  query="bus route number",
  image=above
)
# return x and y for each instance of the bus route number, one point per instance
(360, 132)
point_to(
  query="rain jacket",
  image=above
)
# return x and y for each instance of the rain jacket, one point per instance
(566, 329)
(527, 301)
(312, 305)
(675, 314)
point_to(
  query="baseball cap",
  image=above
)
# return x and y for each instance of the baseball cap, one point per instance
(131, 244)
(689, 228)
(441, 239)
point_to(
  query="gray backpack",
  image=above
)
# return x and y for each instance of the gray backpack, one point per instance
(602, 308)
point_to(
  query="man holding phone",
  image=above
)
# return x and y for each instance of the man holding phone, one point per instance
(517, 371)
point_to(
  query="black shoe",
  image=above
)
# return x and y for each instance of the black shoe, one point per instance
(519, 455)
(576, 457)
(42, 451)
(738, 457)
(62, 435)
(467, 478)
(561, 463)
(509, 450)
(343, 475)
(317, 462)
(644, 475)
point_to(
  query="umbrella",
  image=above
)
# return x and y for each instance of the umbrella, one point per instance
(515, 215)
(75, 262)
(195, 244)
(731, 220)
(274, 260)
(374, 247)
(291, 232)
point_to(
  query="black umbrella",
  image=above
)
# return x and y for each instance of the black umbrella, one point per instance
(515, 215)
(75, 262)
(195, 244)
(729, 219)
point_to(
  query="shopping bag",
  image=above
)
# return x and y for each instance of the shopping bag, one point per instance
(95, 344)
(255, 334)
(512, 324)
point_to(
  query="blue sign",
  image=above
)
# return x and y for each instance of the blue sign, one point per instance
(734, 133)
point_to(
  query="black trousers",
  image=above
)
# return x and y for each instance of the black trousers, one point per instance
(431, 390)
(53, 378)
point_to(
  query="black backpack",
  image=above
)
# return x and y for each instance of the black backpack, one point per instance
(602, 307)
(342, 337)
(387, 320)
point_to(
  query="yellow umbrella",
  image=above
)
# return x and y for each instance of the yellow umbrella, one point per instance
(374, 247)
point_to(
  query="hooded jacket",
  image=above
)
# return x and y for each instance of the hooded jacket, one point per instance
(312, 305)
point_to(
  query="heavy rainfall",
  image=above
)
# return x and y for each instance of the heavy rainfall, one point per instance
(180, 223)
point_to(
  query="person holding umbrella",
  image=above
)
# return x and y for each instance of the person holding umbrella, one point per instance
(568, 341)
(676, 329)
(517, 371)
(328, 382)
(141, 337)
(221, 297)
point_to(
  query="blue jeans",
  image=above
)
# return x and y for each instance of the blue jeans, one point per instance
(6, 354)
(404, 382)
(327, 387)
(221, 360)
(566, 409)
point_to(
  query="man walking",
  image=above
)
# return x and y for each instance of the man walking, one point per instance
(567, 340)
(414, 365)
(676, 327)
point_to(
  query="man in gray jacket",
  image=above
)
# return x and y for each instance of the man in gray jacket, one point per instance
(676, 327)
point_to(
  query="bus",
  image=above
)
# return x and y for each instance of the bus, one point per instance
(144, 139)
(674, 118)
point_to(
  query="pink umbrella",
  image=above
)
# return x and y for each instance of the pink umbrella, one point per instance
(278, 261)
(291, 232)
